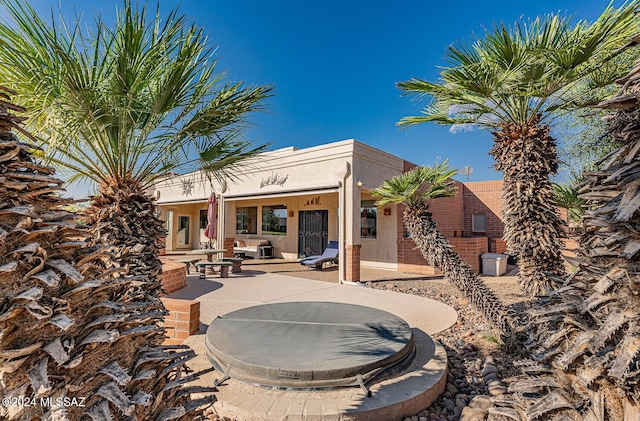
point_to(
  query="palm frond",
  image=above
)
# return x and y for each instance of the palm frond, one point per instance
(518, 72)
(419, 184)
(130, 100)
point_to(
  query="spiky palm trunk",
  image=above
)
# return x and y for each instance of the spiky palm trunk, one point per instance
(586, 346)
(533, 230)
(435, 248)
(73, 324)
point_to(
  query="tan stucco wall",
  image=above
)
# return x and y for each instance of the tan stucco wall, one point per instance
(286, 246)
(383, 250)
(299, 171)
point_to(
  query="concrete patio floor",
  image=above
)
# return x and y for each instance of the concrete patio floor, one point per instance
(392, 398)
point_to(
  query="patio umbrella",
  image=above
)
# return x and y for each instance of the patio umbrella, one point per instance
(212, 219)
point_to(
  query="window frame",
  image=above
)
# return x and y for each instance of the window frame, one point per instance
(368, 205)
(473, 223)
(275, 208)
(240, 228)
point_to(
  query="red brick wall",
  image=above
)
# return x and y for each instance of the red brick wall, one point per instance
(174, 276)
(497, 245)
(228, 246)
(410, 260)
(470, 250)
(353, 262)
(448, 213)
(182, 321)
(450, 219)
(484, 198)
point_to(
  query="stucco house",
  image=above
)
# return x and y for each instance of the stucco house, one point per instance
(300, 199)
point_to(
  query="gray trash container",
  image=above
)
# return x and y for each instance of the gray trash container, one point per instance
(494, 264)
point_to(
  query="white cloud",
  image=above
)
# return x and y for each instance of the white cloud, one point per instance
(462, 128)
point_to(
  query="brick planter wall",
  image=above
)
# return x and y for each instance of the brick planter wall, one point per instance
(174, 276)
(228, 246)
(353, 262)
(497, 245)
(470, 250)
(182, 321)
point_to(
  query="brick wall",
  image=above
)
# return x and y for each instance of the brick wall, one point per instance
(448, 213)
(228, 246)
(483, 198)
(450, 220)
(497, 245)
(353, 262)
(174, 276)
(470, 250)
(410, 260)
(182, 321)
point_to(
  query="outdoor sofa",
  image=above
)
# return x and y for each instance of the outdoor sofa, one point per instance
(258, 248)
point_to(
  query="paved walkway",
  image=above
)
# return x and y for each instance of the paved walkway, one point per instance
(392, 399)
(219, 296)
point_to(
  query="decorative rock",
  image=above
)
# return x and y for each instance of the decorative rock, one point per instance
(422, 419)
(483, 327)
(491, 376)
(414, 418)
(451, 388)
(489, 368)
(494, 382)
(473, 414)
(463, 302)
(391, 286)
(482, 402)
(469, 333)
(448, 403)
(489, 360)
(496, 389)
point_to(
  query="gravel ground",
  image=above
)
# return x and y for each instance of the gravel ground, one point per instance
(473, 351)
(478, 364)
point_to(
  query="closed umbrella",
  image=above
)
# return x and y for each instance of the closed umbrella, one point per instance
(211, 231)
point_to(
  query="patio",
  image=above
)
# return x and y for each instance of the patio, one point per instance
(277, 281)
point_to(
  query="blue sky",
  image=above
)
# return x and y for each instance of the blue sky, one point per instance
(334, 65)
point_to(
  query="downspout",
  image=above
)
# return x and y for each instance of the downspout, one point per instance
(221, 223)
(342, 222)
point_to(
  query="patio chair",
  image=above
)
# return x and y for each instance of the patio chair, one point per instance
(330, 254)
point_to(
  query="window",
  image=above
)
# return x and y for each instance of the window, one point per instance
(274, 220)
(478, 223)
(203, 219)
(247, 220)
(368, 219)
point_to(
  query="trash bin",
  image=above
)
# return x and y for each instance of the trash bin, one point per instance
(494, 264)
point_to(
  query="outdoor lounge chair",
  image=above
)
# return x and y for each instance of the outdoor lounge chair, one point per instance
(330, 255)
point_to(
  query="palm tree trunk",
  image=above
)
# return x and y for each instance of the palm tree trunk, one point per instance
(435, 248)
(123, 219)
(527, 156)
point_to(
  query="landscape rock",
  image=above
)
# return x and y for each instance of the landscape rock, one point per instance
(473, 414)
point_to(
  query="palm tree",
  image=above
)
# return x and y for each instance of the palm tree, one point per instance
(414, 189)
(513, 82)
(122, 106)
(68, 329)
(567, 197)
(586, 343)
